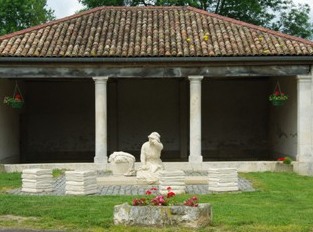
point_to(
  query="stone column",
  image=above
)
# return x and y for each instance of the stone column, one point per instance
(304, 166)
(101, 119)
(195, 119)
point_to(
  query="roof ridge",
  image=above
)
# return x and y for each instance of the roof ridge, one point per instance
(242, 23)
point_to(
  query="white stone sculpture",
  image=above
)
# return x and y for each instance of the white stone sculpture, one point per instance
(123, 160)
(150, 157)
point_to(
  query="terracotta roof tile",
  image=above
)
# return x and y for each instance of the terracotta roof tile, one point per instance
(150, 31)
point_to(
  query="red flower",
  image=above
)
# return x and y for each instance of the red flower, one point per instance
(281, 159)
(141, 201)
(170, 194)
(169, 188)
(148, 192)
(276, 93)
(193, 202)
(18, 97)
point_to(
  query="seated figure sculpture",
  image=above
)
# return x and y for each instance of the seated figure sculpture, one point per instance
(150, 157)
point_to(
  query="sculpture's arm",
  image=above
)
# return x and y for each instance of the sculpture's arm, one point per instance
(143, 156)
(159, 145)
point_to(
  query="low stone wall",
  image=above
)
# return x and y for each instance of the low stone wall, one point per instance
(67, 166)
(2, 168)
(181, 216)
(281, 167)
(241, 166)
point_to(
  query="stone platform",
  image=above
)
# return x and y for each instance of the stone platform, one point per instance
(121, 188)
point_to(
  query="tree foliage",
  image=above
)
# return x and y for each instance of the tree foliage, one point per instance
(95, 3)
(282, 15)
(20, 14)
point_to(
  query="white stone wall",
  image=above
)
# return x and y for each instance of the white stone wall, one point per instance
(304, 166)
(9, 126)
(283, 120)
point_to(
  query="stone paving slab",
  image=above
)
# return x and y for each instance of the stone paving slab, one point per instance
(59, 188)
(132, 180)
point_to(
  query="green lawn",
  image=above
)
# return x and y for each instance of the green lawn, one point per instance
(282, 202)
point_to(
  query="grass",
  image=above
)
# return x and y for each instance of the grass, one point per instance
(58, 172)
(283, 202)
(9, 181)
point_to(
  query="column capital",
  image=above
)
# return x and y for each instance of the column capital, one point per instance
(195, 78)
(304, 77)
(307, 77)
(99, 79)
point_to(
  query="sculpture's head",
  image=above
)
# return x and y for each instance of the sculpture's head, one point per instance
(155, 135)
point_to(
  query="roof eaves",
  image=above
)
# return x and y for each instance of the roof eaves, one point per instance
(230, 59)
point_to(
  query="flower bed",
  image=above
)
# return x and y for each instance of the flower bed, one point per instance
(162, 210)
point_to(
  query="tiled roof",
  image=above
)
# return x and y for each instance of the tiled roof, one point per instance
(150, 32)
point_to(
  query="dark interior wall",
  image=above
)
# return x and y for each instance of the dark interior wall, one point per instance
(235, 119)
(138, 107)
(58, 118)
(58, 121)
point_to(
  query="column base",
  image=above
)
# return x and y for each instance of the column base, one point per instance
(195, 159)
(303, 168)
(100, 160)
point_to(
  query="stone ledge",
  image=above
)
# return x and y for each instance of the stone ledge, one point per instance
(242, 166)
